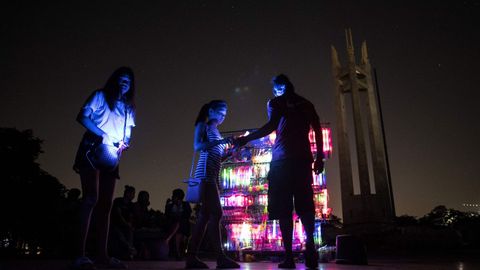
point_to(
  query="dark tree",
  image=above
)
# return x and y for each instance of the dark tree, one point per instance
(465, 224)
(406, 220)
(31, 198)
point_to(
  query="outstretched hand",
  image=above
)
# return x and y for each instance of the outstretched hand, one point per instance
(239, 142)
(318, 165)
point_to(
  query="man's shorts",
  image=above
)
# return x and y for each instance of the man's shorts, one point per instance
(289, 182)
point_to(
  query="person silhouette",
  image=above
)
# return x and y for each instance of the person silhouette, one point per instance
(290, 175)
(141, 216)
(70, 216)
(121, 226)
(178, 213)
(108, 116)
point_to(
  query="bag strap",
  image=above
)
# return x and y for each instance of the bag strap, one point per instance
(193, 164)
(125, 123)
(206, 158)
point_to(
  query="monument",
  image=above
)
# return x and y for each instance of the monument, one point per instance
(357, 113)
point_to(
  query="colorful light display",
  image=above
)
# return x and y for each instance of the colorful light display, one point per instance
(244, 188)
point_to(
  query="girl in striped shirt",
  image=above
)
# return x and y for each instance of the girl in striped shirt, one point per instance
(211, 145)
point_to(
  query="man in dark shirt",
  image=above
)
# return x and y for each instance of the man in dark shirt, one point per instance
(290, 175)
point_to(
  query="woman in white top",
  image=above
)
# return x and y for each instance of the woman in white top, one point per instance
(108, 116)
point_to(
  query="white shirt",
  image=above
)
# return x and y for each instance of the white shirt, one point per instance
(110, 121)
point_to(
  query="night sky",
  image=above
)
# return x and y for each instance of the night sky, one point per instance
(185, 53)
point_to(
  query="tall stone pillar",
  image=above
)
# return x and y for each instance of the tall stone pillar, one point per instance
(355, 81)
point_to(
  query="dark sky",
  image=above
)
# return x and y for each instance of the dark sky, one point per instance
(184, 53)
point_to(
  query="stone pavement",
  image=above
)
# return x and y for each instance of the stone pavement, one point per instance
(410, 264)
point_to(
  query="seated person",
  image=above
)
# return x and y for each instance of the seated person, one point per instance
(178, 214)
(121, 227)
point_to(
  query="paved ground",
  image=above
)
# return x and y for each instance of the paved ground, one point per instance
(433, 260)
(410, 264)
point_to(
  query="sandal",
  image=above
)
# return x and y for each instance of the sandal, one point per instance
(195, 263)
(82, 263)
(225, 262)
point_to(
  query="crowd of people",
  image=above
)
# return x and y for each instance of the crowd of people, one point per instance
(138, 232)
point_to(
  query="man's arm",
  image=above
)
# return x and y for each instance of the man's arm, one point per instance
(266, 129)
(274, 116)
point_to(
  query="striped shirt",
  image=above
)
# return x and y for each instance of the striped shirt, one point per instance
(210, 159)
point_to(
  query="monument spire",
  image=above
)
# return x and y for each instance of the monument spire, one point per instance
(354, 83)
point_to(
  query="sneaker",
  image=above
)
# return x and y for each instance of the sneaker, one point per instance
(82, 263)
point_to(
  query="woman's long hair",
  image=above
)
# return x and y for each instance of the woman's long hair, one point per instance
(214, 105)
(112, 91)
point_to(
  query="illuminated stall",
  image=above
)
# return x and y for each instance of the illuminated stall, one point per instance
(243, 195)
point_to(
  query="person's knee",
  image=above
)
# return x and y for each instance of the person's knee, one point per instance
(216, 216)
(90, 201)
(202, 218)
(104, 204)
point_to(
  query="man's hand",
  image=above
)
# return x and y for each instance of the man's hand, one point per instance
(318, 165)
(239, 142)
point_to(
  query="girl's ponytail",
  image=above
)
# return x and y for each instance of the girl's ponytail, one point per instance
(203, 114)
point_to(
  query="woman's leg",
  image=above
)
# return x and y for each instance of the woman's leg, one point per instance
(198, 232)
(89, 180)
(177, 242)
(102, 213)
(215, 215)
(213, 227)
(286, 227)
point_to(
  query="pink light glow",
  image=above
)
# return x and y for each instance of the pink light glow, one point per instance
(245, 201)
(327, 141)
(263, 199)
(245, 231)
(326, 210)
(272, 137)
(326, 138)
(298, 232)
(236, 200)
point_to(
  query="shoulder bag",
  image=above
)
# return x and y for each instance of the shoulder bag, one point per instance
(195, 186)
(106, 157)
